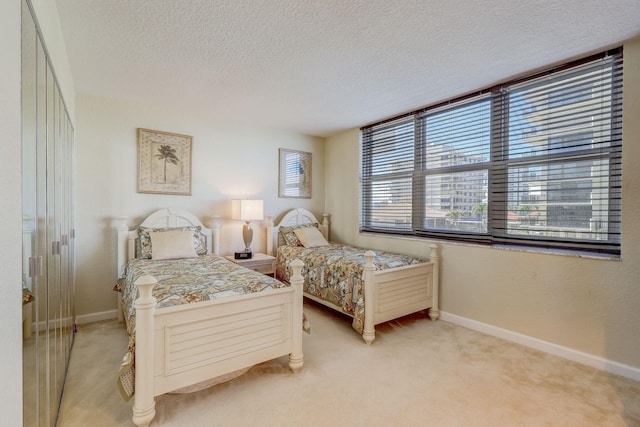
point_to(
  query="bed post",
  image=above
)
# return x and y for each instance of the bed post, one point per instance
(215, 235)
(296, 358)
(325, 225)
(123, 231)
(269, 224)
(369, 332)
(144, 407)
(434, 311)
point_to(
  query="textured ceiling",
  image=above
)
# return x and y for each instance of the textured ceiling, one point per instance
(321, 66)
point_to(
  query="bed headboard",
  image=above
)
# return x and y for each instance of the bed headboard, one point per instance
(167, 217)
(298, 216)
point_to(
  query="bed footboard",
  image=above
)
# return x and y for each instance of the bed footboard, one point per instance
(181, 346)
(394, 293)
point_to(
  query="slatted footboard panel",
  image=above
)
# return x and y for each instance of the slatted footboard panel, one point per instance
(403, 292)
(221, 338)
(212, 340)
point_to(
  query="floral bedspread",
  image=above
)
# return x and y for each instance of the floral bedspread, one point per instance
(183, 281)
(334, 273)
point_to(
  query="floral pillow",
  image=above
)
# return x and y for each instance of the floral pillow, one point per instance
(144, 240)
(289, 235)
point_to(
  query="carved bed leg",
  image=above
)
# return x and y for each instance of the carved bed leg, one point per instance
(296, 358)
(434, 311)
(120, 309)
(144, 407)
(369, 332)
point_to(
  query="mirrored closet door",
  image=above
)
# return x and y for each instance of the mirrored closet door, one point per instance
(48, 233)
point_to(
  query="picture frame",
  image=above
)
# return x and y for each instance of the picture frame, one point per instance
(294, 175)
(164, 162)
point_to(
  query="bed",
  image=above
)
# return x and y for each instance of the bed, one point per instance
(377, 287)
(178, 345)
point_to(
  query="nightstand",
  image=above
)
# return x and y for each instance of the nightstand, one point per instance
(262, 263)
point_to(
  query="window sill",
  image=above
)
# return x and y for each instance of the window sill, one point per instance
(530, 249)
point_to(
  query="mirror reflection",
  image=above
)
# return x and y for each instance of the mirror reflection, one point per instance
(47, 244)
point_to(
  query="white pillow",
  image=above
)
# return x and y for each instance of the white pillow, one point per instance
(310, 237)
(172, 244)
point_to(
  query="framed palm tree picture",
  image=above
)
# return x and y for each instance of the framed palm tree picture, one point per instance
(164, 162)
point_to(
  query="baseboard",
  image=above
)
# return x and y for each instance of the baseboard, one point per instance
(80, 320)
(548, 347)
(56, 323)
(96, 317)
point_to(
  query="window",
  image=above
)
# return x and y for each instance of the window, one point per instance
(569, 94)
(534, 162)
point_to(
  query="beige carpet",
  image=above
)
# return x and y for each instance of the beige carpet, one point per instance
(416, 373)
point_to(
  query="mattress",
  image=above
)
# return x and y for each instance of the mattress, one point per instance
(191, 280)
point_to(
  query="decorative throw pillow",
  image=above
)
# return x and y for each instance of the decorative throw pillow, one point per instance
(310, 237)
(172, 244)
(144, 242)
(290, 237)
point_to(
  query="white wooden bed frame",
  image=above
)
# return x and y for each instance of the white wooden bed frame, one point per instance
(388, 294)
(187, 344)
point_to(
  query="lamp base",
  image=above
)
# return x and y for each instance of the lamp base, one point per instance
(243, 255)
(247, 236)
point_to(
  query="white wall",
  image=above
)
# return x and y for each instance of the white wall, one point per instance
(587, 305)
(10, 216)
(229, 161)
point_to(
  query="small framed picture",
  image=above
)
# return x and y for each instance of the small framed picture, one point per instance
(164, 162)
(294, 174)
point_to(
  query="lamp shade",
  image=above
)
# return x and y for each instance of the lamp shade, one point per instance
(247, 210)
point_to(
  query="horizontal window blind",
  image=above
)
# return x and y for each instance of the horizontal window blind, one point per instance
(533, 162)
(388, 163)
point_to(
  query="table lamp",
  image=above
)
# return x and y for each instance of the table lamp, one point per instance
(247, 211)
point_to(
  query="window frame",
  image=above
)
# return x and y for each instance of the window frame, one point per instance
(500, 163)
